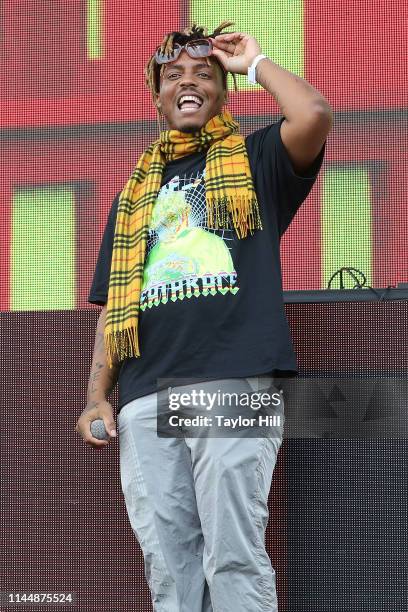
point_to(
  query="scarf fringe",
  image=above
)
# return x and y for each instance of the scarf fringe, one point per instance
(243, 211)
(122, 344)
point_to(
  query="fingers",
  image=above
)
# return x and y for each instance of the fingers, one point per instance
(221, 55)
(110, 426)
(83, 427)
(91, 441)
(229, 36)
(85, 433)
(227, 42)
(95, 443)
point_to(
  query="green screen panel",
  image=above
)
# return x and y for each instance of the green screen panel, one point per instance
(94, 28)
(281, 40)
(346, 222)
(43, 249)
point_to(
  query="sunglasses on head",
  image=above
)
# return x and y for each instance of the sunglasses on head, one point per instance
(195, 48)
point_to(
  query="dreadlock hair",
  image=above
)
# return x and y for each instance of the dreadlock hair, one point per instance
(153, 71)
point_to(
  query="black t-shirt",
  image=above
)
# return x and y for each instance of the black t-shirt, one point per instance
(211, 304)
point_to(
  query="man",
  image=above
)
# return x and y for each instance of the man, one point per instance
(189, 278)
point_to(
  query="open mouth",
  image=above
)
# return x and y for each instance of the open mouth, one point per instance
(189, 103)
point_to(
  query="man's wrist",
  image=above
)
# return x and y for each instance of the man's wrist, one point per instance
(96, 398)
(252, 68)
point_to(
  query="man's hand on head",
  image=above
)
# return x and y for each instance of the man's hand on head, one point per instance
(236, 51)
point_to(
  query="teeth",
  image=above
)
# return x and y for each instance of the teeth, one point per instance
(190, 99)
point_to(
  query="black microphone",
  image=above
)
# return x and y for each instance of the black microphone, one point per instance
(98, 430)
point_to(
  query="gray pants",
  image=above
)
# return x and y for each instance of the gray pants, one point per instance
(198, 508)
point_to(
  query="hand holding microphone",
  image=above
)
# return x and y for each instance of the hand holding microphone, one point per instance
(96, 423)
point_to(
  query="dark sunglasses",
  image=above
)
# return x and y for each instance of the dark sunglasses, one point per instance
(195, 48)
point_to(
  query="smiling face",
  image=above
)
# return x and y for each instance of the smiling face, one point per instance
(200, 83)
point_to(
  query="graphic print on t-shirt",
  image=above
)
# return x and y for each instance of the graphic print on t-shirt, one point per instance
(184, 257)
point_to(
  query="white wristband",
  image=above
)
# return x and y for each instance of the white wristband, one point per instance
(251, 69)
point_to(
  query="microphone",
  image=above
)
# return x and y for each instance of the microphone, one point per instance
(98, 430)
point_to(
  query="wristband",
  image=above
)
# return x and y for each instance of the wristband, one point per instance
(252, 67)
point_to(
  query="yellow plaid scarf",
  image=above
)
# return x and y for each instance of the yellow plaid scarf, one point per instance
(230, 194)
